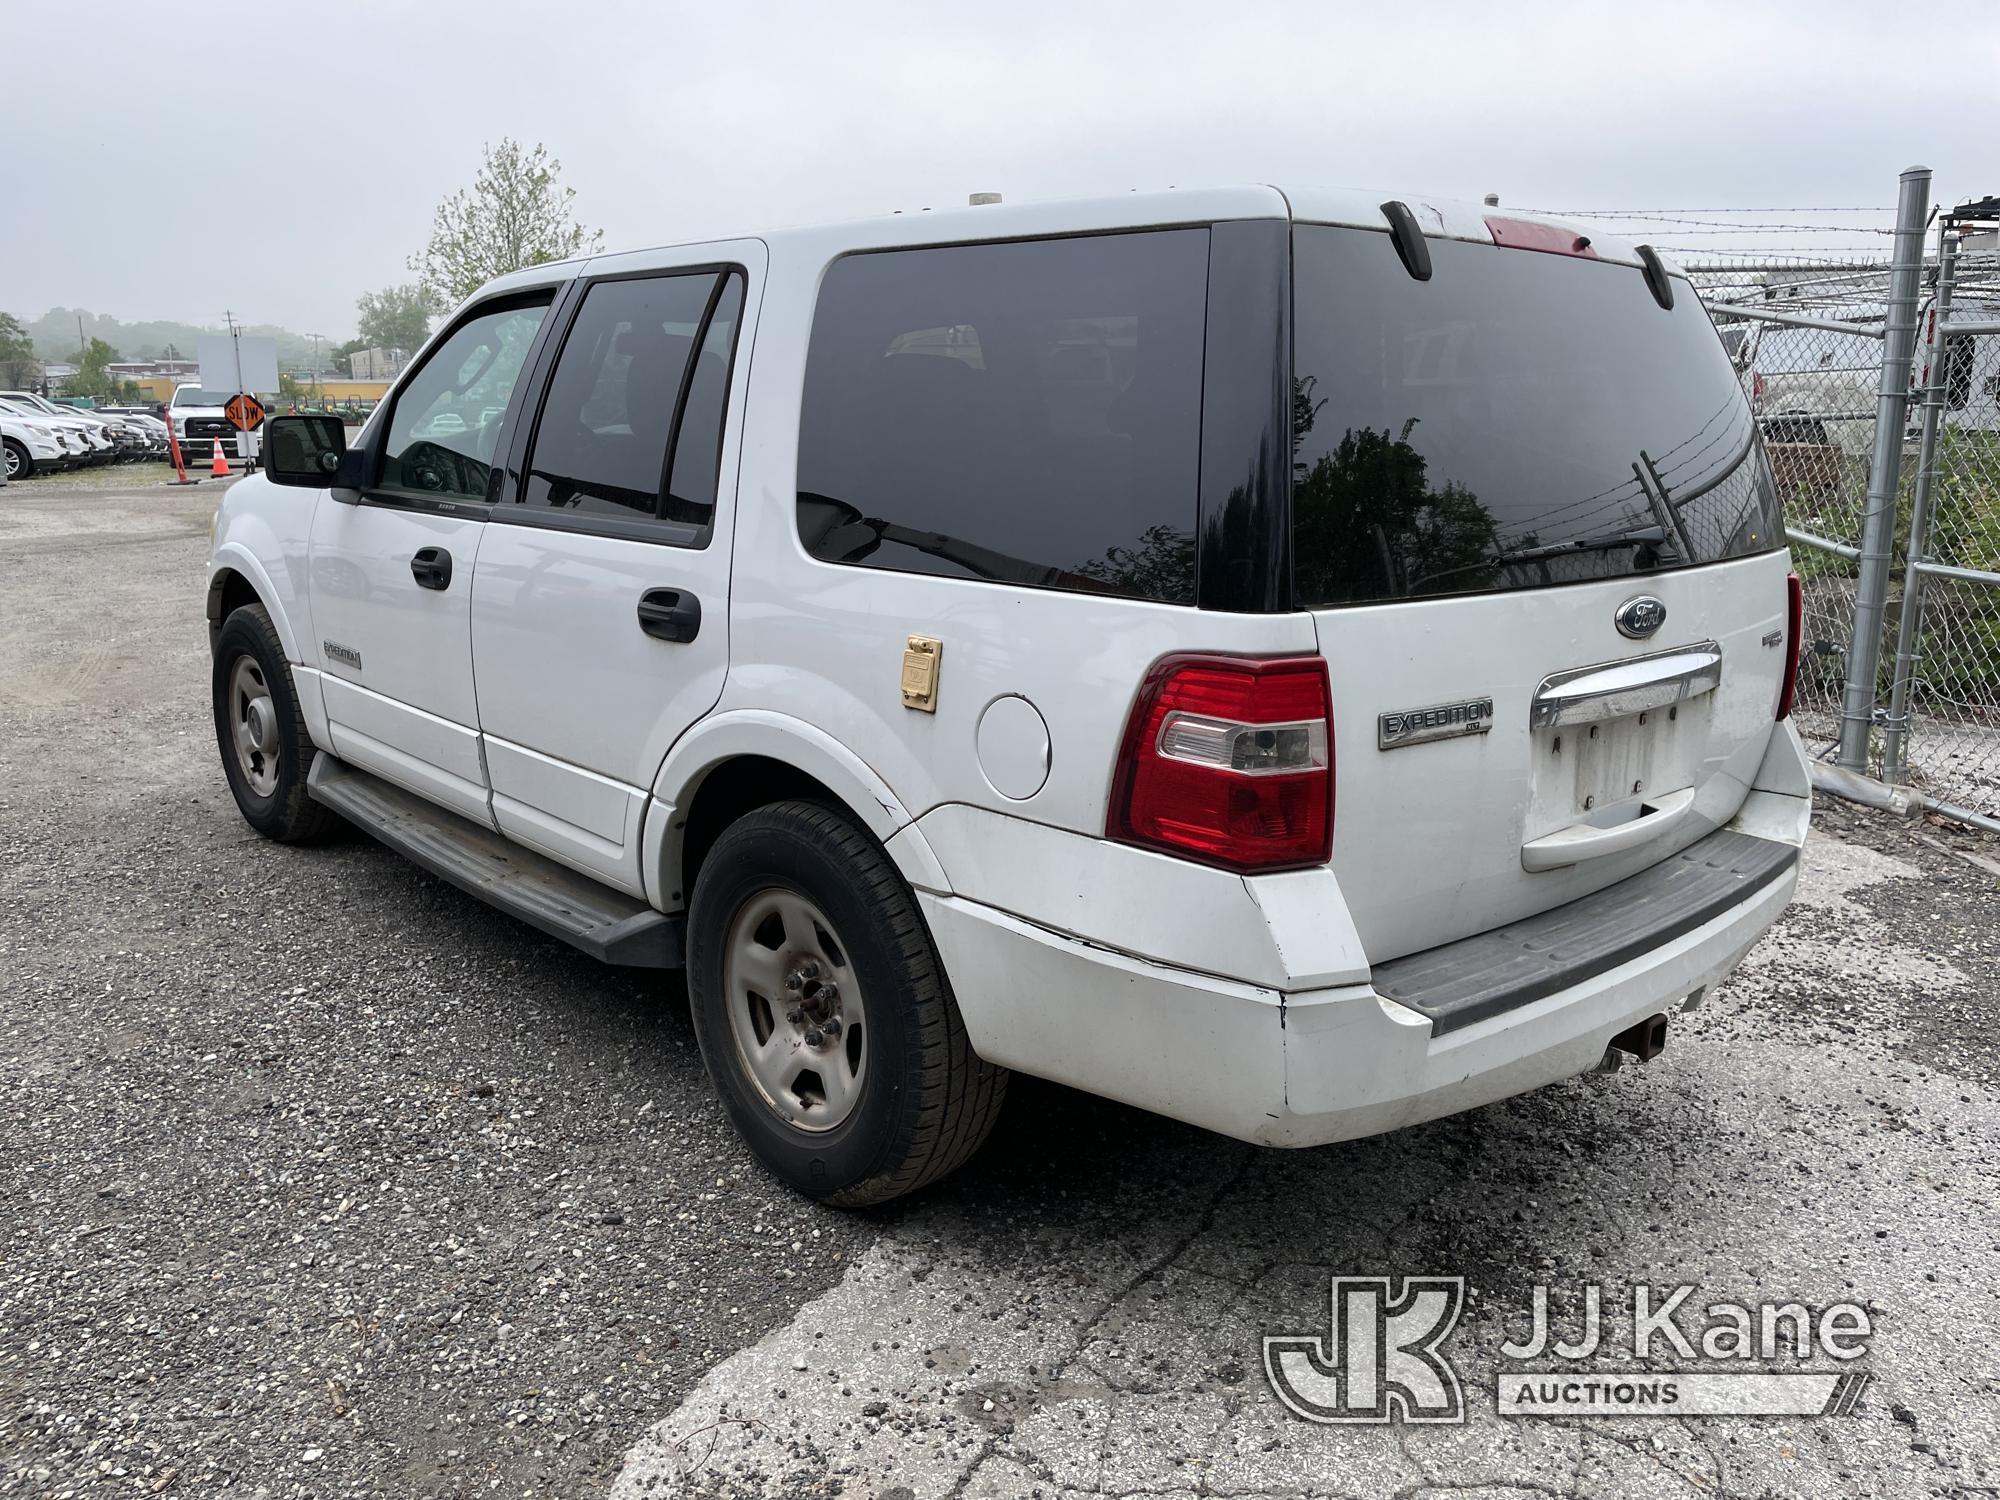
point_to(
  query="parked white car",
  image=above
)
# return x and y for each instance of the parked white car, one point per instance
(1299, 665)
(89, 440)
(30, 447)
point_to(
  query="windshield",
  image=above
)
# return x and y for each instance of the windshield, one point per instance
(1520, 419)
(187, 395)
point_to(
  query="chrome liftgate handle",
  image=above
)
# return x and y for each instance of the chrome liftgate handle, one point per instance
(1615, 689)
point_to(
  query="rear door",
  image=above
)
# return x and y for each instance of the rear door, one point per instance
(391, 575)
(1538, 533)
(600, 610)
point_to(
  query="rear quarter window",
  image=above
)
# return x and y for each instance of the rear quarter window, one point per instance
(1027, 413)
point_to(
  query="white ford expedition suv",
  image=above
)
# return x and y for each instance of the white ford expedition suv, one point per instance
(1299, 664)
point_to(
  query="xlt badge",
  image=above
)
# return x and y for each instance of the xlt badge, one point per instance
(1442, 721)
(347, 656)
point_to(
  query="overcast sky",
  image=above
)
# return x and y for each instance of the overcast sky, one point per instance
(159, 168)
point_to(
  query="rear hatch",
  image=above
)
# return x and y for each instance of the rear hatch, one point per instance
(1538, 532)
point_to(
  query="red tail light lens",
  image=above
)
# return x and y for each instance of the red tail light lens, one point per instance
(1229, 760)
(1795, 629)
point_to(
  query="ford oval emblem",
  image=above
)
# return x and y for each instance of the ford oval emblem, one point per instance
(1640, 617)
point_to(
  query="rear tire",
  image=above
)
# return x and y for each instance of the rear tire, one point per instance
(266, 752)
(801, 933)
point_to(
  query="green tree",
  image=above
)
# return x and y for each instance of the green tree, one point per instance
(91, 377)
(516, 213)
(18, 365)
(397, 317)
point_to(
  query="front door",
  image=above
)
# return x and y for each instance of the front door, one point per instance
(600, 610)
(392, 573)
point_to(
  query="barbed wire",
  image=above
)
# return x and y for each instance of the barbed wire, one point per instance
(1645, 213)
(1721, 227)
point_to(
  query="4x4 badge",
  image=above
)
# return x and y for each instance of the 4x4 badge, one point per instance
(1638, 618)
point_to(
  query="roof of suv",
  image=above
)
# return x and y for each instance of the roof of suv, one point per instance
(1445, 217)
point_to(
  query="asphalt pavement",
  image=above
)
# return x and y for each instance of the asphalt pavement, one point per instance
(319, 1179)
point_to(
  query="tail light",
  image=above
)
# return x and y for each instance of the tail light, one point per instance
(1795, 629)
(1228, 760)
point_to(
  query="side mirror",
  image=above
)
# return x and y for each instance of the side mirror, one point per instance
(304, 451)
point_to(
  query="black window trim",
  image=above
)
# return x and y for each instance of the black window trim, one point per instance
(550, 297)
(507, 510)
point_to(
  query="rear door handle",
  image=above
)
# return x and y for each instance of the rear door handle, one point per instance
(431, 567)
(1581, 841)
(670, 614)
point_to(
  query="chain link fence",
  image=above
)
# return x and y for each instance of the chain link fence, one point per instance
(1899, 670)
(1812, 388)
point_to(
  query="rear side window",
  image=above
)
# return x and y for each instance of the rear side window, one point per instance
(1028, 413)
(1518, 420)
(698, 441)
(601, 445)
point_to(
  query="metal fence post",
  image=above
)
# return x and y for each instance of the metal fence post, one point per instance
(1878, 523)
(1896, 727)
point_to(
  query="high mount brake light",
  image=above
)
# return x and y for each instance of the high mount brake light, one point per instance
(1228, 760)
(1549, 239)
(1795, 629)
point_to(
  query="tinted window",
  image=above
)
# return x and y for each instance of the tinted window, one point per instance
(448, 417)
(601, 445)
(698, 441)
(1519, 419)
(1028, 413)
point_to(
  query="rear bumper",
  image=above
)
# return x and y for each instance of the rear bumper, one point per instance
(1308, 1066)
(1297, 1070)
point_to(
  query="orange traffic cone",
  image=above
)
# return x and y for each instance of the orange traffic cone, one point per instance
(218, 467)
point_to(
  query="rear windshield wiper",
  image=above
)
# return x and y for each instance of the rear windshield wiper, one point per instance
(1641, 536)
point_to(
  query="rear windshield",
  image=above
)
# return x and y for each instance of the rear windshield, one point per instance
(1520, 419)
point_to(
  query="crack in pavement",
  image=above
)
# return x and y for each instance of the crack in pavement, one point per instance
(1102, 1336)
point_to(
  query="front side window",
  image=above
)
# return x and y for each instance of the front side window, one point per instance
(1518, 420)
(446, 426)
(1027, 413)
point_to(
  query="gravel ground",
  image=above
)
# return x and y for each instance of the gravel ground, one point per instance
(320, 1179)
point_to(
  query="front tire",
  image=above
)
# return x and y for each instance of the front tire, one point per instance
(20, 462)
(266, 752)
(824, 1015)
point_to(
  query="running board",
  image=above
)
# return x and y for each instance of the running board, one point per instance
(607, 924)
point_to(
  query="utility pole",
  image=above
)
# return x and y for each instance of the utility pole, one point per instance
(236, 346)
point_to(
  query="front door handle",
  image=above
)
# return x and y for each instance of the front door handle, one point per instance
(431, 567)
(670, 614)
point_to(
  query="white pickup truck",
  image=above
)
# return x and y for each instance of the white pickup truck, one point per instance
(199, 423)
(1297, 663)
